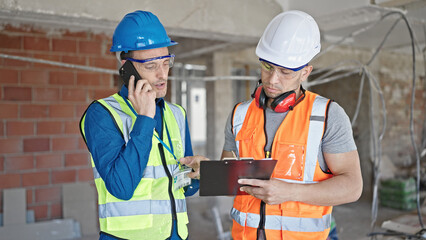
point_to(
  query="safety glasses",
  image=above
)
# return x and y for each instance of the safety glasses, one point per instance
(282, 72)
(153, 64)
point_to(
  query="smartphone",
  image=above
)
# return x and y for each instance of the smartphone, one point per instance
(127, 70)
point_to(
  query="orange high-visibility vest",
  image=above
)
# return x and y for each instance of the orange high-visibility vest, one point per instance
(296, 145)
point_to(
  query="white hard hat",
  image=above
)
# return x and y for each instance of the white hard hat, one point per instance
(290, 40)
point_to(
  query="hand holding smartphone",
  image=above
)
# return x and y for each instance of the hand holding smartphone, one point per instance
(143, 100)
(126, 71)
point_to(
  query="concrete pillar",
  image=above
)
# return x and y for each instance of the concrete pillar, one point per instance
(219, 103)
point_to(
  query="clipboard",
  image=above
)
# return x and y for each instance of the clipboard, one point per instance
(219, 178)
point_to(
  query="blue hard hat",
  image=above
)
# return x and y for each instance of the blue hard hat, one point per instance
(140, 30)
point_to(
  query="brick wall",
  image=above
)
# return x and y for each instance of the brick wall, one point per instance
(40, 107)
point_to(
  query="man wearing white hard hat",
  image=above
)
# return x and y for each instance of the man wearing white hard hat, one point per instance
(309, 136)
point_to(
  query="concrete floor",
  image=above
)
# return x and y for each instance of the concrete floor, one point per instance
(353, 220)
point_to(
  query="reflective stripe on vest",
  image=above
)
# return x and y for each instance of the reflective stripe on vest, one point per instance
(316, 129)
(150, 171)
(273, 222)
(140, 207)
(127, 122)
(238, 122)
(180, 119)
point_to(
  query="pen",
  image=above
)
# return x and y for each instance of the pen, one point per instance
(235, 156)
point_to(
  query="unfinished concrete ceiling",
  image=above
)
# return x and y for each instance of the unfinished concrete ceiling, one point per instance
(340, 18)
(201, 26)
(205, 26)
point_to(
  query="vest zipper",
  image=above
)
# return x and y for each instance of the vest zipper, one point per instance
(169, 176)
(266, 134)
(261, 227)
(268, 154)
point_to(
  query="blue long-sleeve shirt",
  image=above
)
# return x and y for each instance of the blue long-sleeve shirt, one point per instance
(121, 166)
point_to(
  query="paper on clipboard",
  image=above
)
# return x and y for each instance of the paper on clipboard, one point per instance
(220, 178)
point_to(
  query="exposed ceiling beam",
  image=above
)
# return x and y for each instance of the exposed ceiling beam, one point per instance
(405, 4)
(106, 26)
(57, 21)
(214, 36)
(204, 50)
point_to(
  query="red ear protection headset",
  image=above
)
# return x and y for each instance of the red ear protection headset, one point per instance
(282, 103)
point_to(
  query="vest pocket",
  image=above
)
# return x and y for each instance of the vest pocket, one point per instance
(245, 136)
(136, 222)
(290, 163)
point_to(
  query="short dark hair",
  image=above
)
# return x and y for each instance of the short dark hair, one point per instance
(124, 55)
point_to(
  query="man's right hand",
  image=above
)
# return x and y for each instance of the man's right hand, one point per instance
(194, 163)
(142, 97)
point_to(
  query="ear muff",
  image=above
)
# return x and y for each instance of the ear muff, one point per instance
(260, 97)
(284, 102)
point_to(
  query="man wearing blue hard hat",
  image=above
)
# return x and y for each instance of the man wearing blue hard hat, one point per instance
(138, 141)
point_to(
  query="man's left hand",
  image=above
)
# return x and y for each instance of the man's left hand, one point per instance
(194, 163)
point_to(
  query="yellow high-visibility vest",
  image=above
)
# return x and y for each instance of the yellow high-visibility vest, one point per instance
(148, 214)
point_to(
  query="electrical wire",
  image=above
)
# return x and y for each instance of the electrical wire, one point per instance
(377, 142)
(318, 71)
(360, 92)
(330, 70)
(397, 234)
(413, 92)
(352, 34)
(383, 42)
(374, 85)
(334, 78)
(375, 169)
(423, 153)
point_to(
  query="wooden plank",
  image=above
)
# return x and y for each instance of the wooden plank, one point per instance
(399, 227)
